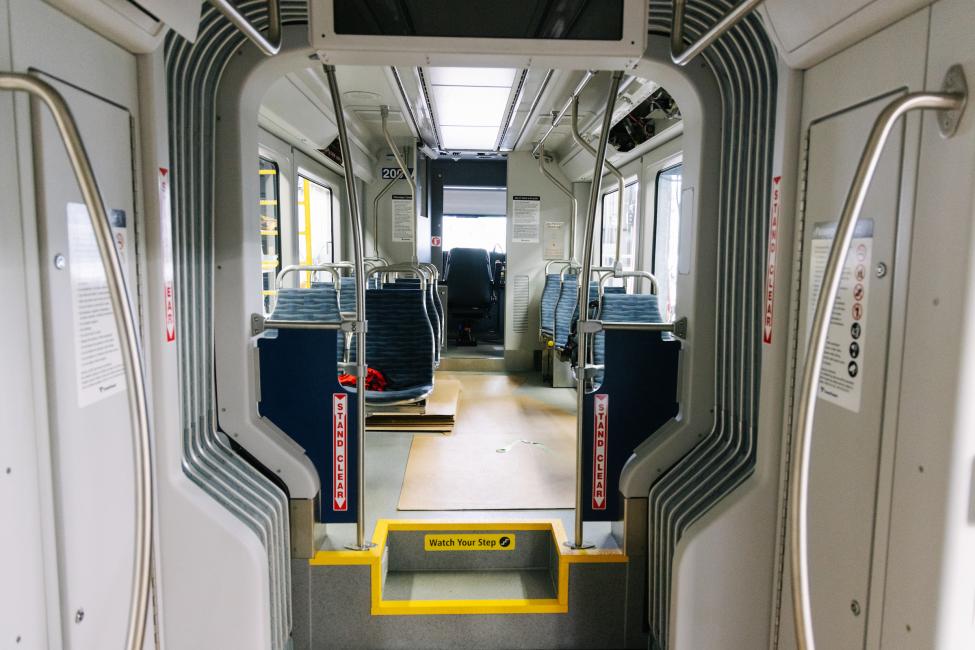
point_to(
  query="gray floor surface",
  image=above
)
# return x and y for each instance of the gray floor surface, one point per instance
(386, 456)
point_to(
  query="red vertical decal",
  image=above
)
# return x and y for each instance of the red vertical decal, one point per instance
(773, 248)
(166, 245)
(340, 478)
(599, 440)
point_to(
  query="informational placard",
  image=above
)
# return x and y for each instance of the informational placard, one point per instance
(402, 218)
(841, 380)
(525, 214)
(99, 372)
(469, 542)
(554, 248)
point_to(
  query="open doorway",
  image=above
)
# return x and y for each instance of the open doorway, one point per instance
(474, 227)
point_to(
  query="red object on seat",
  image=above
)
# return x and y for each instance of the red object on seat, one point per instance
(374, 380)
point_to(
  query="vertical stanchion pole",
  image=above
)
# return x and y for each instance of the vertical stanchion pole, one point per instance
(583, 368)
(360, 312)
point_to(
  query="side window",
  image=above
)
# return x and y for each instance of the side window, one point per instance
(666, 236)
(270, 229)
(629, 234)
(315, 232)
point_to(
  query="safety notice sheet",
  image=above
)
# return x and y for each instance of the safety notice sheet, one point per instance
(841, 380)
(526, 211)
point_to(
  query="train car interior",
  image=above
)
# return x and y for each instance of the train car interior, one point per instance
(487, 324)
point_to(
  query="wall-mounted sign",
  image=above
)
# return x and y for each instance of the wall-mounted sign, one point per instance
(525, 213)
(402, 218)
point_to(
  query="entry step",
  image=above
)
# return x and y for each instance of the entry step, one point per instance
(470, 585)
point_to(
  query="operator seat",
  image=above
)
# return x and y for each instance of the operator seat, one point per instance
(470, 289)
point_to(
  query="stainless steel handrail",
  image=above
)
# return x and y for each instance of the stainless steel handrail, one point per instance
(310, 268)
(384, 111)
(681, 54)
(270, 323)
(129, 340)
(360, 310)
(832, 273)
(573, 201)
(586, 78)
(646, 275)
(269, 45)
(636, 326)
(578, 541)
(375, 215)
(579, 140)
(419, 272)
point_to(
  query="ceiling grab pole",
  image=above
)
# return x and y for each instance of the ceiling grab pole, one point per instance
(579, 140)
(573, 201)
(384, 111)
(358, 327)
(584, 369)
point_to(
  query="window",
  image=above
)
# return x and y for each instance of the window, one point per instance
(629, 234)
(666, 237)
(488, 233)
(315, 231)
(270, 213)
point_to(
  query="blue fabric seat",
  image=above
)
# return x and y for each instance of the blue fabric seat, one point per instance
(318, 303)
(432, 312)
(399, 345)
(622, 308)
(550, 298)
(565, 308)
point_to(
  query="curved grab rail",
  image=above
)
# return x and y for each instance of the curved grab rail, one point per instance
(557, 119)
(565, 263)
(646, 275)
(573, 201)
(375, 216)
(799, 475)
(613, 169)
(419, 272)
(681, 54)
(310, 268)
(129, 341)
(269, 45)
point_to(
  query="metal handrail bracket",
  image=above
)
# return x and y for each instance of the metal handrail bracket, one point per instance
(270, 44)
(128, 334)
(681, 54)
(798, 510)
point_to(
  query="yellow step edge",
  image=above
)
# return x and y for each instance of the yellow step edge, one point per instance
(373, 559)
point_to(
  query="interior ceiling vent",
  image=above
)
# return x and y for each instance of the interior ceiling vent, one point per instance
(333, 152)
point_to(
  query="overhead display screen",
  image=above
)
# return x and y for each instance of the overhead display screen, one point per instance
(578, 20)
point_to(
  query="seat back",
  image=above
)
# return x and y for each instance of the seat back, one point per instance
(433, 308)
(319, 303)
(622, 308)
(347, 294)
(399, 343)
(550, 298)
(565, 309)
(469, 280)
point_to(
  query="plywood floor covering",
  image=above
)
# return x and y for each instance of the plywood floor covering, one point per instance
(465, 471)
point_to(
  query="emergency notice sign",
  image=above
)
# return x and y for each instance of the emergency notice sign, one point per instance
(773, 250)
(841, 380)
(600, 434)
(340, 459)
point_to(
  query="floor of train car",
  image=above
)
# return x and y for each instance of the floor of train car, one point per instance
(503, 409)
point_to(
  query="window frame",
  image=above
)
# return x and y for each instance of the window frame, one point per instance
(666, 166)
(638, 219)
(270, 291)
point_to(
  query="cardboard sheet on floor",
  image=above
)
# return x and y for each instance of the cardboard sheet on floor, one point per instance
(466, 471)
(438, 415)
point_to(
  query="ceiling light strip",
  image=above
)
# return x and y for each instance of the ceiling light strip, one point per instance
(511, 109)
(433, 116)
(406, 102)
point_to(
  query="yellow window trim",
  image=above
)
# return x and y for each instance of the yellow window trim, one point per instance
(373, 559)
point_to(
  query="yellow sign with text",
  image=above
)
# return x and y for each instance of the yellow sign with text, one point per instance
(469, 542)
